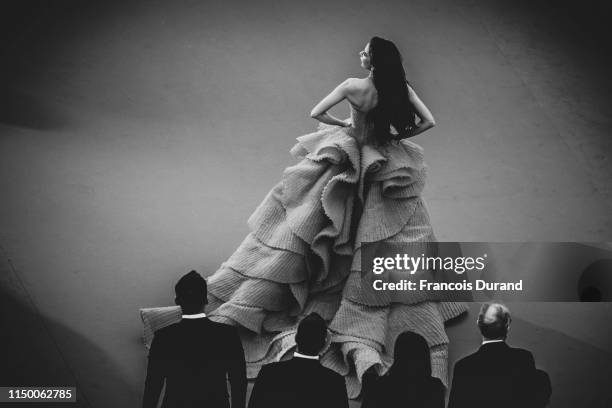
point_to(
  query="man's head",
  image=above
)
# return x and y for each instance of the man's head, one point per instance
(190, 293)
(494, 321)
(311, 335)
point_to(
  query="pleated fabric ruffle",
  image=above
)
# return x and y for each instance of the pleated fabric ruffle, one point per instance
(303, 255)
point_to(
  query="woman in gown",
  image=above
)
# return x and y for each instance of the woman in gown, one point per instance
(356, 182)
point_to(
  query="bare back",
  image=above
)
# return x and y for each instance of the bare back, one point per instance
(363, 95)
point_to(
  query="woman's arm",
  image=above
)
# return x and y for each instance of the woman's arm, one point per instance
(426, 119)
(319, 112)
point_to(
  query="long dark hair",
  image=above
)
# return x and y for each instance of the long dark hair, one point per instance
(394, 107)
(411, 356)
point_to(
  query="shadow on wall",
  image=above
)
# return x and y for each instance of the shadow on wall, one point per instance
(34, 35)
(20, 109)
(31, 357)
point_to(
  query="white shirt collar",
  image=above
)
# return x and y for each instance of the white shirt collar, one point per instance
(300, 355)
(194, 316)
(492, 341)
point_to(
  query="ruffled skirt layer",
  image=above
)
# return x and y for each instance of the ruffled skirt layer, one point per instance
(303, 255)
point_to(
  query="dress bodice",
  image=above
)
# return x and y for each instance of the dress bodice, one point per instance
(362, 130)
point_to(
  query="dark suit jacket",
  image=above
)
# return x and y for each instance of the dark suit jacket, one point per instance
(402, 391)
(195, 357)
(497, 375)
(298, 383)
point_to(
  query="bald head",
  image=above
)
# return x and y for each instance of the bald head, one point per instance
(494, 321)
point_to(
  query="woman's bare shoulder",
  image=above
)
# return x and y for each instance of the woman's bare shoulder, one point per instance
(360, 85)
(361, 82)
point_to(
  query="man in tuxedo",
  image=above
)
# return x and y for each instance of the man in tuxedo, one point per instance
(195, 356)
(302, 381)
(498, 375)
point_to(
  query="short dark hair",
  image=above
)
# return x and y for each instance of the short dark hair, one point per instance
(311, 334)
(191, 291)
(493, 320)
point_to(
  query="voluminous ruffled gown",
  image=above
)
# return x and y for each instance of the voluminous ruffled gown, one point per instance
(303, 255)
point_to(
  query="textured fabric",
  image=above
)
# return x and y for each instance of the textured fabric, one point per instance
(155, 318)
(303, 255)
